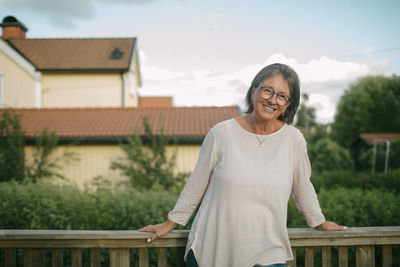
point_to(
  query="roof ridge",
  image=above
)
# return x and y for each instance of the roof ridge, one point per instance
(74, 38)
(119, 108)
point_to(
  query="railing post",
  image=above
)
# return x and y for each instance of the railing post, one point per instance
(386, 255)
(365, 256)
(143, 257)
(326, 256)
(162, 257)
(33, 257)
(10, 257)
(343, 256)
(309, 256)
(119, 257)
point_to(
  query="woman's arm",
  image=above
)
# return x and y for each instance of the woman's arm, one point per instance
(303, 192)
(192, 193)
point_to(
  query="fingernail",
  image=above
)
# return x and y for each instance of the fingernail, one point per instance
(148, 240)
(345, 228)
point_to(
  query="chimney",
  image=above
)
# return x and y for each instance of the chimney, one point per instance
(12, 28)
(155, 102)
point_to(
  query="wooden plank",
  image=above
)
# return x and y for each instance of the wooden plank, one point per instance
(76, 257)
(365, 256)
(83, 243)
(343, 256)
(181, 255)
(309, 257)
(162, 257)
(119, 257)
(326, 256)
(10, 257)
(294, 233)
(57, 257)
(95, 259)
(33, 257)
(143, 257)
(387, 256)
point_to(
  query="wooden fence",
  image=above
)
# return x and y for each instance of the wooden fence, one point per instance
(365, 240)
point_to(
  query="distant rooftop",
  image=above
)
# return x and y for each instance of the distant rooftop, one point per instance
(75, 123)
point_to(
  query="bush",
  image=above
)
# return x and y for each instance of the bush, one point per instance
(353, 207)
(326, 155)
(360, 208)
(47, 206)
(389, 181)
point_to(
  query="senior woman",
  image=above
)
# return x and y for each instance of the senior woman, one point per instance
(246, 171)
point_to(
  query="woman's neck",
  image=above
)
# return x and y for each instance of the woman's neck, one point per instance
(263, 127)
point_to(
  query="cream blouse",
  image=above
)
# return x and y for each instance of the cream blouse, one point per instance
(243, 191)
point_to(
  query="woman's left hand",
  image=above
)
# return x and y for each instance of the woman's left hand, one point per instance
(331, 226)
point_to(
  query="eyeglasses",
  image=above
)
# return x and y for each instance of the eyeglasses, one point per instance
(267, 93)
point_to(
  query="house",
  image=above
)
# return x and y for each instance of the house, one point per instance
(86, 90)
(66, 72)
(95, 134)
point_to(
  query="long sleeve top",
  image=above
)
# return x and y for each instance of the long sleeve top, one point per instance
(241, 191)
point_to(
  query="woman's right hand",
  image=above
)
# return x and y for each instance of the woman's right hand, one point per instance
(159, 230)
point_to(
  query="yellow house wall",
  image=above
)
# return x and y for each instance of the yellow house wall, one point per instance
(94, 160)
(81, 90)
(18, 87)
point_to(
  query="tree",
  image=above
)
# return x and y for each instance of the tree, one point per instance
(146, 164)
(13, 164)
(305, 115)
(12, 156)
(326, 155)
(372, 104)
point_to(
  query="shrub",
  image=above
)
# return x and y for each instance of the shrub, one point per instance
(360, 208)
(47, 206)
(326, 155)
(389, 181)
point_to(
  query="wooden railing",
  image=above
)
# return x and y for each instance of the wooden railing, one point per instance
(34, 242)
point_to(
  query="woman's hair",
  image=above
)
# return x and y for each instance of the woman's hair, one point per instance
(294, 84)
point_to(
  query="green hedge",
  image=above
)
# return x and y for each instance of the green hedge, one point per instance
(389, 181)
(47, 206)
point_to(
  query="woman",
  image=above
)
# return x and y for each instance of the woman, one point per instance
(247, 169)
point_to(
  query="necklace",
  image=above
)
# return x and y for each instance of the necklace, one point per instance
(260, 141)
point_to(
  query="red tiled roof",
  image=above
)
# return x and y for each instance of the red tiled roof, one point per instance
(380, 137)
(75, 54)
(121, 122)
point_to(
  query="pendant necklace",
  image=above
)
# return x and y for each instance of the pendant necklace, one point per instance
(261, 141)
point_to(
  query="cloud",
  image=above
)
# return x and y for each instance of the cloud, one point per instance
(212, 20)
(63, 13)
(324, 79)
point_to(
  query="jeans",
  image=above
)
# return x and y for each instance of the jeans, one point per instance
(191, 261)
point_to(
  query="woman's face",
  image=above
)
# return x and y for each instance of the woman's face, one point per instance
(269, 109)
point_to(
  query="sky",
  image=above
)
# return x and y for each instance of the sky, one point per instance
(206, 52)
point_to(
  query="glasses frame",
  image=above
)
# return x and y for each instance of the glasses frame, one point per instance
(288, 99)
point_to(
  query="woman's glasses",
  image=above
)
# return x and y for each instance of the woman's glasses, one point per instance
(267, 93)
